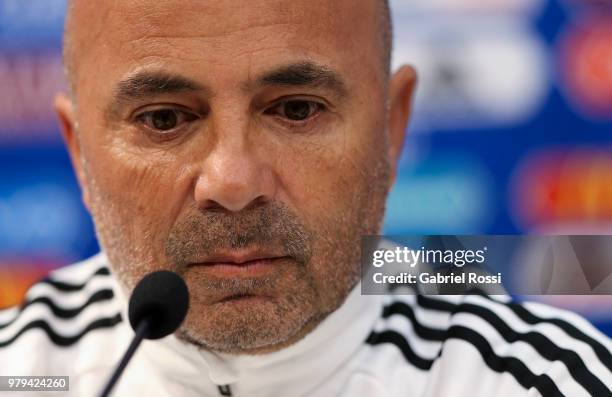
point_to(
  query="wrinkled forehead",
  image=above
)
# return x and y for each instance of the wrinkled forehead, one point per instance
(109, 38)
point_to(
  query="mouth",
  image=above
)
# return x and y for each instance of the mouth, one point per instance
(239, 263)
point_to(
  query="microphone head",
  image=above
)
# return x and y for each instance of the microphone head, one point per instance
(162, 298)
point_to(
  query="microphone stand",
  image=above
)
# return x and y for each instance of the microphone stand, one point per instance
(141, 332)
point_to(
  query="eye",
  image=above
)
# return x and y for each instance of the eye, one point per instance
(164, 120)
(296, 110)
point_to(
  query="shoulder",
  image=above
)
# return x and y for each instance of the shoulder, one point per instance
(491, 339)
(59, 312)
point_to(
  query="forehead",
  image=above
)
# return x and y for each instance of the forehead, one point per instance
(114, 37)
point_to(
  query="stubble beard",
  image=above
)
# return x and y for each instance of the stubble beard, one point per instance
(323, 271)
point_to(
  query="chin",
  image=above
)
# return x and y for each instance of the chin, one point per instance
(245, 325)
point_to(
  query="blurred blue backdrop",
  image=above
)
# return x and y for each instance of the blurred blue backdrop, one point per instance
(511, 132)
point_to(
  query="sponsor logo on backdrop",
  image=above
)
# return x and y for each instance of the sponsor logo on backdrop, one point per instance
(29, 82)
(585, 53)
(449, 194)
(474, 73)
(568, 189)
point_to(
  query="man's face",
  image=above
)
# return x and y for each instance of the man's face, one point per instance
(242, 145)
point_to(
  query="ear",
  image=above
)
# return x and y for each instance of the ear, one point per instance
(65, 111)
(401, 90)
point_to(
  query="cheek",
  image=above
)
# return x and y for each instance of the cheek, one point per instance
(141, 191)
(325, 181)
(339, 191)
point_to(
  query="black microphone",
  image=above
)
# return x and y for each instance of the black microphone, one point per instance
(157, 308)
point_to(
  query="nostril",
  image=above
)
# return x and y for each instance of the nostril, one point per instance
(212, 205)
(257, 202)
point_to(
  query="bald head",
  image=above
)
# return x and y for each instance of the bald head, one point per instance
(74, 24)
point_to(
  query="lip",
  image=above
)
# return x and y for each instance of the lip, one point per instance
(239, 256)
(237, 263)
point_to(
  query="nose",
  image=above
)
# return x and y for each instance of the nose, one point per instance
(234, 176)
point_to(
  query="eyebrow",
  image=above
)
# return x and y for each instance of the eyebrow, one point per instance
(304, 74)
(150, 83)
